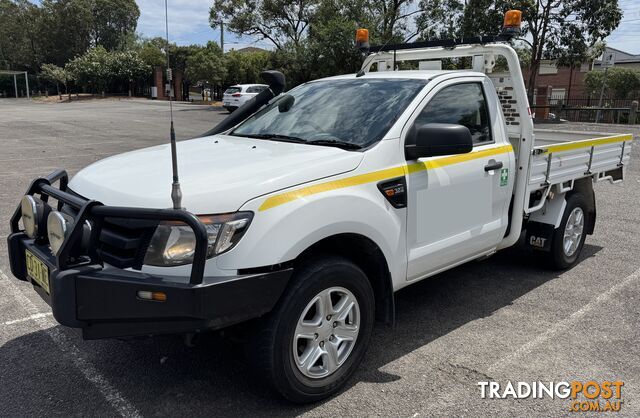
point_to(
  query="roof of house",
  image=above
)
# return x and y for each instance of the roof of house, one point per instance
(621, 57)
(250, 49)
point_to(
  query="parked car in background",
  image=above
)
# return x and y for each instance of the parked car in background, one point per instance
(236, 96)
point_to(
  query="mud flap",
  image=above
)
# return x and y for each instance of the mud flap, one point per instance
(539, 236)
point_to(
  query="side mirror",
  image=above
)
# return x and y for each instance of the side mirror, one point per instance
(433, 139)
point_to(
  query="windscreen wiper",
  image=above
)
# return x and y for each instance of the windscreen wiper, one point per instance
(274, 137)
(335, 143)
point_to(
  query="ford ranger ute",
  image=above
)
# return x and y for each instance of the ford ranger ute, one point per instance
(305, 211)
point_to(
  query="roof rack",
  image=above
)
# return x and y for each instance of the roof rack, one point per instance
(446, 43)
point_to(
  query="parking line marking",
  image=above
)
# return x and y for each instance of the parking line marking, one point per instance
(113, 397)
(566, 323)
(29, 318)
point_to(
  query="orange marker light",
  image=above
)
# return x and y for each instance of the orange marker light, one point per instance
(511, 25)
(512, 19)
(159, 296)
(362, 39)
(155, 296)
(362, 35)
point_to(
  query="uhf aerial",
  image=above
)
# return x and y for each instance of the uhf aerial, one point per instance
(176, 192)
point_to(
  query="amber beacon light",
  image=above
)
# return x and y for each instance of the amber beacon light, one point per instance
(512, 22)
(362, 39)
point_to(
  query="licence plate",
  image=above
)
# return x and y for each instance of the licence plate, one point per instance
(37, 270)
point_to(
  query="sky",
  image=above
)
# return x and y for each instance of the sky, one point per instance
(627, 36)
(189, 24)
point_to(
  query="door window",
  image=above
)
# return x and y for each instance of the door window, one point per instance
(460, 104)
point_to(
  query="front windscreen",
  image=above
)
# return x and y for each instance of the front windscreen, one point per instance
(354, 112)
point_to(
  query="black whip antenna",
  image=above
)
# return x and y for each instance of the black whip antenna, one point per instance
(176, 192)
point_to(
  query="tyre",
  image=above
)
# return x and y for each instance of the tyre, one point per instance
(230, 109)
(568, 238)
(316, 337)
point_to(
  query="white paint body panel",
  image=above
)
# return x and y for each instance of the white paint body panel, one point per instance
(218, 174)
(455, 213)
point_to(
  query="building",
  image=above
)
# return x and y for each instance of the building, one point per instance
(621, 59)
(563, 85)
(249, 50)
(560, 83)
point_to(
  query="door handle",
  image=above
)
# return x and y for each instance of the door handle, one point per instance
(493, 166)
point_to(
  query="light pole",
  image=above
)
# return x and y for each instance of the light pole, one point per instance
(221, 24)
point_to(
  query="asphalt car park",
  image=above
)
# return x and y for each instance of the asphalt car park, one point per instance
(506, 318)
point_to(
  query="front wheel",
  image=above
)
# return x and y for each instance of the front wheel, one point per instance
(568, 238)
(317, 335)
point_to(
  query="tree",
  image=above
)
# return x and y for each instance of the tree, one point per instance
(56, 75)
(331, 42)
(113, 22)
(20, 35)
(620, 82)
(245, 67)
(568, 53)
(151, 54)
(390, 18)
(441, 19)
(127, 67)
(68, 25)
(548, 21)
(278, 21)
(92, 69)
(207, 65)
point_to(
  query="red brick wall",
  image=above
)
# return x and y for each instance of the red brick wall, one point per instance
(560, 80)
(177, 84)
(158, 78)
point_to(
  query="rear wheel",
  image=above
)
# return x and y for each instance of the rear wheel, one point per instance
(568, 238)
(317, 336)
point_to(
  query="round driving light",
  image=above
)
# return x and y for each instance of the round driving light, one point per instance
(59, 226)
(32, 212)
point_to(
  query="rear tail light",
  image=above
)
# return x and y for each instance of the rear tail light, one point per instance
(236, 95)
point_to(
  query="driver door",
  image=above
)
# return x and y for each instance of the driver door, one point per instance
(454, 213)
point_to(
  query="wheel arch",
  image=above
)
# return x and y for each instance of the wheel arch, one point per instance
(368, 256)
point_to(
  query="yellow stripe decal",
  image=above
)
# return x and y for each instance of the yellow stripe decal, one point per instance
(585, 143)
(380, 175)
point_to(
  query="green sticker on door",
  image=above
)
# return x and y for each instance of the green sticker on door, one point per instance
(504, 177)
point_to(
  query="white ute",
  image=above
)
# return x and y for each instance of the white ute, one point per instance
(316, 209)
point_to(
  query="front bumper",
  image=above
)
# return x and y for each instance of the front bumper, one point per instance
(102, 300)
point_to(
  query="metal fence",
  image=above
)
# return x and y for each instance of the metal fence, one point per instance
(590, 101)
(588, 109)
(619, 115)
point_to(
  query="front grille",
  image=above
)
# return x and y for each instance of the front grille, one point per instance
(123, 243)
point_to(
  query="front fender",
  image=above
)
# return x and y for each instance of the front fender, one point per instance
(280, 234)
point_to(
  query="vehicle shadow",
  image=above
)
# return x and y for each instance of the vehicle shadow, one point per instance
(162, 376)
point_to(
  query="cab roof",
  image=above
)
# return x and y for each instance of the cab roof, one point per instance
(413, 74)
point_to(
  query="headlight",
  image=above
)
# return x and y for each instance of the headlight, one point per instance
(33, 215)
(59, 227)
(174, 244)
